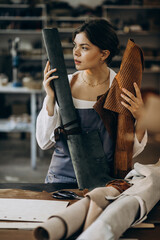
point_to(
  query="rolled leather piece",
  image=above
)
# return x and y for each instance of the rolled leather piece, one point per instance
(64, 223)
(80, 214)
(130, 71)
(60, 85)
(129, 208)
(145, 185)
(114, 220)
(48, 230)
(98, 203)
(88, 158)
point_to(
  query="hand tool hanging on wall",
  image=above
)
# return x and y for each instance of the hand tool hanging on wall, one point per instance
(88, 158)
(14, 44)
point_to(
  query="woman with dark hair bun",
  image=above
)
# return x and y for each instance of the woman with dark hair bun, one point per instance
(95, 43)
(100, 33)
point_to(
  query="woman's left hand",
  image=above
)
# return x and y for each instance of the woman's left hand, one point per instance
(133, 103)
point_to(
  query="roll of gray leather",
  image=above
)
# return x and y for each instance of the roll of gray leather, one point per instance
(88, 158)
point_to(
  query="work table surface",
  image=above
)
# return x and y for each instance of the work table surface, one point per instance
(44, 191)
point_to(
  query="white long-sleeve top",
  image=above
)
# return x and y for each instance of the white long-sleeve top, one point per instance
(46, 125)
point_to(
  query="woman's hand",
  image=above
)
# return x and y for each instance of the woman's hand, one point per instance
(133, 103)
(47, 79)
(49, 91)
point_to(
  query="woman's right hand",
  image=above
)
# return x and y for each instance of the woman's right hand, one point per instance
(47, 79)
(49, 91)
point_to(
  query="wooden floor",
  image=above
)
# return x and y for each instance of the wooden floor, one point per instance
(15, 163)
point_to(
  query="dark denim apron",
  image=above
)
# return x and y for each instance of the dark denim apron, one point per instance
(101, 150)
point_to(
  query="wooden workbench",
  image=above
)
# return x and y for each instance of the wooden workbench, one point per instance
(44, 191)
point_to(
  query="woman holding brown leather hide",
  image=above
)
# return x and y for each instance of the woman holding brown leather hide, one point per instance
(95, 43)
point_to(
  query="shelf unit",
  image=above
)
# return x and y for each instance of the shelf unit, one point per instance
(26, 23)
(139, 23)
(130, 21)
(7, 126)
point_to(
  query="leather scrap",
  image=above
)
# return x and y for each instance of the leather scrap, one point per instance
(130, 71)
(25, 194)
(119, 184)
